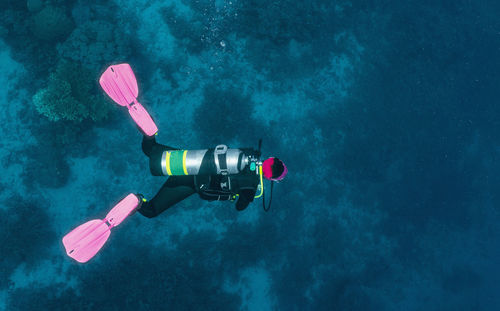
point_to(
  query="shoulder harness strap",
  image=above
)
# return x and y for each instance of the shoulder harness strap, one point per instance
(221, 165)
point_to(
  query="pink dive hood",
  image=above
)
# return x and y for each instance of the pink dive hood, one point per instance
(274, 169)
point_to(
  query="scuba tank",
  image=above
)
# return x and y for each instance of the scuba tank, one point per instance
(218, 161)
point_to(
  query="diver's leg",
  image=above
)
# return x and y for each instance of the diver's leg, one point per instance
(149, 144)
(174, 190)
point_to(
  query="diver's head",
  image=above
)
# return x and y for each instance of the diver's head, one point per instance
(274, 169)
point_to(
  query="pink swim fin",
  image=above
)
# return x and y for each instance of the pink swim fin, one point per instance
(86, 240)
(119, 82)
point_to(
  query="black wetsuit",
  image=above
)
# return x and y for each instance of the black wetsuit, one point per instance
(177, 188)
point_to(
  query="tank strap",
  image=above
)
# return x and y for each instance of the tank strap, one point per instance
(221, 164)
(220, 159)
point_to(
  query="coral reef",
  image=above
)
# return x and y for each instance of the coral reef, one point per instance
(383, 211)
(71, 95)
(52, 24)
(95, 44)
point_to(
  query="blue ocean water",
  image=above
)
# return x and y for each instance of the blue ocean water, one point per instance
(386, 114)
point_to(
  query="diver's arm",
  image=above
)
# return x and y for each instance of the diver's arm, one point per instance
(242, 204)
(245, 197)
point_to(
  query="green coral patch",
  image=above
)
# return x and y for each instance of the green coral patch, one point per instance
(71, 95)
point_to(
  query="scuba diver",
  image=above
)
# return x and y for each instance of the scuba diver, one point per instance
(216, 174)
(220, 174)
